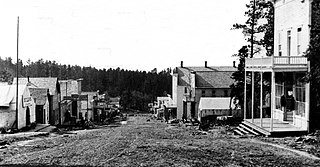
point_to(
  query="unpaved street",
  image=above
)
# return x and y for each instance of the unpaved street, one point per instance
(144, 142)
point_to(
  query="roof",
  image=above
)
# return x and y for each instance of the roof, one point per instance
(212, 103)
(8, 94)
(39, 95)
(208, 77)
(41, 82)
(218, 79)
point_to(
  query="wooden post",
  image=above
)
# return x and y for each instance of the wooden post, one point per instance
(273, 98)
(261, 92)
(252, 96)
(307, 94)
(245, 96)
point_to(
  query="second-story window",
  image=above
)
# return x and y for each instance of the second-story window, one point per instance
(185, 90)
(213, 93)
(299, 41)
(226, 94)
(279, 44)
(203, 93)
(289, 42)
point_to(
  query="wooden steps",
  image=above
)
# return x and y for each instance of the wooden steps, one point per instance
(246, 128)
(289, 116)
(280, 128)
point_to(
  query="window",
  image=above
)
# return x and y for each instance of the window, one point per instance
(279, 45)
(185, 90)
(299, 41)
(203, 93)
(226, 94)
(289, 42)
(213, 93)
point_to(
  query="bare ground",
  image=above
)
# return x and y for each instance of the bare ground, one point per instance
(146, 142)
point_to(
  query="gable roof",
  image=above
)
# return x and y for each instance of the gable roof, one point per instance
(206, 77)
(41, 82)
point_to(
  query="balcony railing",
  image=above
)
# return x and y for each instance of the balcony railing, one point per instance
(277, 61)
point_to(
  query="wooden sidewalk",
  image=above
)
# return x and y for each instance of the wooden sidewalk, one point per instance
(280, 128)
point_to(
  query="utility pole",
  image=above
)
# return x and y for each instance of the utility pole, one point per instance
(252, 26)
(17, 73)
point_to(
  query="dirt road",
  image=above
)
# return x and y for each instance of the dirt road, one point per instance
(144, 142)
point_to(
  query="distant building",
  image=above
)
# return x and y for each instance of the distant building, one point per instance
(164, 105)
(114, 102)
(54, 97)
(71, 95)
(189, 84)
(87, 106)
(26, 107)
(41, 99)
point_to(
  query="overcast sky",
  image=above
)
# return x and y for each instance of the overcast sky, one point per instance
(130, 34)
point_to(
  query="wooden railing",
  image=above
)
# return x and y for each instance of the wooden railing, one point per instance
(276, 60)
(285, 60)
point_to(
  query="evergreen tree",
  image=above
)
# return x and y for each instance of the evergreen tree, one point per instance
(261, 16)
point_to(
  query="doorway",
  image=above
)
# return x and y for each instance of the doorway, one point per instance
(28, 117)
(40, 114)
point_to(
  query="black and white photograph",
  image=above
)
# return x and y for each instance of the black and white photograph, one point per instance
(159, 83)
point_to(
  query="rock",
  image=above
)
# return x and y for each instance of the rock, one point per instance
(2, 147)
(299, 139)
(3, 142)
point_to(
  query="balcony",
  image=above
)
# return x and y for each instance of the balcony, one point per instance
(277, 62)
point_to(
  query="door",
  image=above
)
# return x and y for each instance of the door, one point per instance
(39, 114)
(184, 115)
(193, 109)
(27, 116)
(74, 108)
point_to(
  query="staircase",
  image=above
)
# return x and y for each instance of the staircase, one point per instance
(289, 117)
(249, 129)
(279, 128)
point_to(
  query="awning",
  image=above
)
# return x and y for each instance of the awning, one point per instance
(215, 103)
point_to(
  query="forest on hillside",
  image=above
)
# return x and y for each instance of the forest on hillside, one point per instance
(136, 88)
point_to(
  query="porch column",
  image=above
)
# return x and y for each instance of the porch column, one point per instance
(245, 96)
(252, 96)
(307, 107)
(273, 98)
(261, 91)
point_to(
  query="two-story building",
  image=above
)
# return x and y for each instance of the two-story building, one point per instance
(72, 99)
(189, 84)
(290, 95)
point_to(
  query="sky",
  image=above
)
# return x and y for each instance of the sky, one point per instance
(130, 34)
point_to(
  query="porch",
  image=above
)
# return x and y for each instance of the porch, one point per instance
(276, 100)
(279, 128)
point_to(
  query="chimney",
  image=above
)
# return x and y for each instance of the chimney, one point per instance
(181, 63)
(234, 64)
(205, 64)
